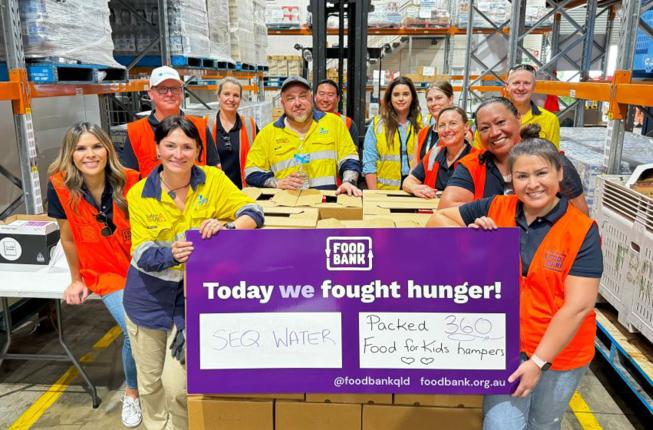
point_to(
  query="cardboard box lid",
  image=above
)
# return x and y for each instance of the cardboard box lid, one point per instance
(29, 225)
(426, 206)
(290, 217)
(373, 223)
(260, 194)
(399, 220)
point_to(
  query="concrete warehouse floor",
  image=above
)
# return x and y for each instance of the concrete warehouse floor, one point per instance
(28, 399)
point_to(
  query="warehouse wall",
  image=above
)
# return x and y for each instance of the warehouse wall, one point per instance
(51, 117)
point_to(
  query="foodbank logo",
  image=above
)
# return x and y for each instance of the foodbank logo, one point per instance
(349, 253)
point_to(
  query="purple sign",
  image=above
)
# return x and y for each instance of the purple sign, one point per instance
(353, 311)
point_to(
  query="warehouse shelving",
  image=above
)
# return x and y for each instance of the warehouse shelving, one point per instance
(20, 91)
(395, 31)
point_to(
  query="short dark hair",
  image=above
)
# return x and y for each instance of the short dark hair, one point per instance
(538, 147)
(175, 122)
(501, 100)
(329, 82)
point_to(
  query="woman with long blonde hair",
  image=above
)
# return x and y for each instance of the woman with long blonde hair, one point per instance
(86, 194)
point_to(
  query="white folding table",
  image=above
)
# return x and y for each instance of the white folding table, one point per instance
(38, 282)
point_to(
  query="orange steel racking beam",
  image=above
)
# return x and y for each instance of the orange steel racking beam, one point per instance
(401, 31)
(9, 90)
(55, 90)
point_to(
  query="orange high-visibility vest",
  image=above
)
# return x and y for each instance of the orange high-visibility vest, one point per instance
(247, 136)
(432, 167)
(141, 137)
(542, 290)
(421, 141)
(103, 260)
(477, 170)
(346, 119)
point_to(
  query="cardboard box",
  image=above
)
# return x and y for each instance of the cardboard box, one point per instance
(450, 401)
(285, 217)
(400, 220)
(420, 418)
(208, 413)
(426, 71)
(328, 204)
(376, 202)
(262, 396)
(378, 399)
(317, 416)
(28, 239)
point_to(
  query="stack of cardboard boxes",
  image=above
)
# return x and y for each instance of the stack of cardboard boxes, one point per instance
(334, 412)
(323, 209)
(285, 65)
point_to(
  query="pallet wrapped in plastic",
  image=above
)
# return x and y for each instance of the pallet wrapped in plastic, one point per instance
(241, 28)
(497, 11)
(426, 14)
(72, 30)
(188, 28)
(219, 37)
(386, 14)
(260, 33)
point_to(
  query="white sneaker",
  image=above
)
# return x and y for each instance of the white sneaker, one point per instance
(131, 412)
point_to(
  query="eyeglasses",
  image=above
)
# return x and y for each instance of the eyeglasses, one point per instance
(226, 139)
(162, 91)
(102, 218)
(523, 66)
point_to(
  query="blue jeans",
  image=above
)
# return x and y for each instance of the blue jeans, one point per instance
(113, 302)
(542, 409)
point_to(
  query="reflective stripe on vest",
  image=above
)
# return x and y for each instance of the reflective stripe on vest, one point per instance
(422, 137)
(103, 260)
(477, 171)
(141, 138)
(431, 166)
(247, 136)
(542, 290)
(388, 167)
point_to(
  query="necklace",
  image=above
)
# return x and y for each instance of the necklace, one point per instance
(171, 191)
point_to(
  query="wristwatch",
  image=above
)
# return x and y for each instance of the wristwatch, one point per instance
(230, 226)
(543, 365)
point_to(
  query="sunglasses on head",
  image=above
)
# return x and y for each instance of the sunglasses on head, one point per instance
(102, 218)
(526, 67)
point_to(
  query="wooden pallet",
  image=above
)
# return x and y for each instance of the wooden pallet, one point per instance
(629, 354)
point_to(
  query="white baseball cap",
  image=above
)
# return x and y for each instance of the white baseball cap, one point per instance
(164, 73)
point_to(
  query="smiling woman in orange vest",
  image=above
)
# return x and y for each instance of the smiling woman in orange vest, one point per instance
(86, 194)
(435, 169)
(232, 133)
(561, 265)
(486, 173)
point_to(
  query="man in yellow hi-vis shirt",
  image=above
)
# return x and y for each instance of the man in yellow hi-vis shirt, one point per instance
(520, 87)
(305, 148)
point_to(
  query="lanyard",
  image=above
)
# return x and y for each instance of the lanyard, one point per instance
(405, 142)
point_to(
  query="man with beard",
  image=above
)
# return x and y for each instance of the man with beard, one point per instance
(304, 148)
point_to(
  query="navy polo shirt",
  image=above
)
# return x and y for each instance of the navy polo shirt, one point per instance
(230, 160)
(128, 158)
(589, 261)
(444, 172)
(56, 210)
(571, 186)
